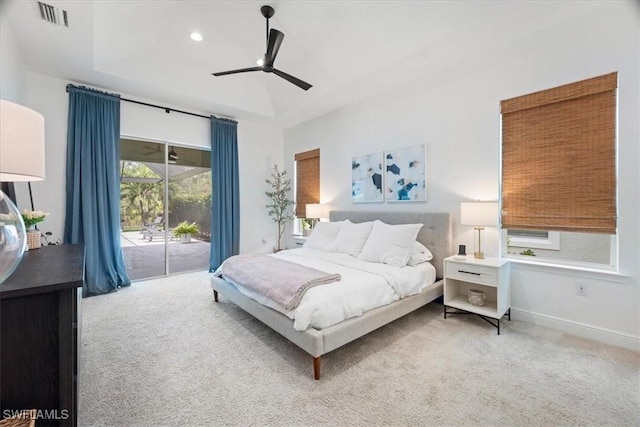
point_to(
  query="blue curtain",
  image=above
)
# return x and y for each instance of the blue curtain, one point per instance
(225, 201)
(93, 187)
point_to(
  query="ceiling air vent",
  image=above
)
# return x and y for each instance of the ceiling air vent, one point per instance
(53, 14)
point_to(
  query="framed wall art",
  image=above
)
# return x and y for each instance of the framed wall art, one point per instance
(405, 174)
(366, 178)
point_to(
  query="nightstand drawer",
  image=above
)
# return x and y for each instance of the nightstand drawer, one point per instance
(471, 273)
(299, 241)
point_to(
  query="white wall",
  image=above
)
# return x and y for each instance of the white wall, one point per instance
(457, 112)
(259, 148)
(13, 82)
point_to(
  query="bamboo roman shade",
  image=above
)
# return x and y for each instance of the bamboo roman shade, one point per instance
(559, 158)
(307, 180)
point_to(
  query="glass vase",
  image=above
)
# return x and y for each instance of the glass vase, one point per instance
(13, 237)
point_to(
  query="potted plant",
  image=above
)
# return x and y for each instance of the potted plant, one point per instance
(279, 203)
(306, 226)
(184, 230)
(31, 218)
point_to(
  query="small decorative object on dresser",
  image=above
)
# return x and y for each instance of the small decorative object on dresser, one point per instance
(31, 218)
(478, 286)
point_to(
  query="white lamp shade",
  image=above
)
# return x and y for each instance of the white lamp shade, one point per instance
(479, 214)
(315, 210)
(21, 143)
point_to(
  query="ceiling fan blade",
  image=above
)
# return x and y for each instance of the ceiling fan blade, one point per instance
(275, 40)
(241, 70)
(296, 81)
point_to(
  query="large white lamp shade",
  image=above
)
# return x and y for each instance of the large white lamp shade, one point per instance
(21, 159)
(315, 211)
(479, 214)
(21, 143)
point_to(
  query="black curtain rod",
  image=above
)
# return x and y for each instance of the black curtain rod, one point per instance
(166, 109)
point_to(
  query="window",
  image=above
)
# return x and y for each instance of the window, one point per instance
(559, 166)
(307, 182)
(537, 239)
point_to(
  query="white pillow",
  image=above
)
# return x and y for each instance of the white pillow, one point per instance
(419, 254)
(390, 244)
(322, 235)
(351, 238)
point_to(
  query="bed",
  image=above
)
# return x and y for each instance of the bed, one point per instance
(435, 235)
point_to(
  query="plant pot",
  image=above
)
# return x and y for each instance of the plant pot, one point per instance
(185, 238)
(34, 239)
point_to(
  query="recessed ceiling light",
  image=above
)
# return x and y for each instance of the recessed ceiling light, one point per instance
(196, 36)
(260, 62)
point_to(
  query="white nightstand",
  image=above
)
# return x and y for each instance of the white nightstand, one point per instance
(489, 275)
(298, 240)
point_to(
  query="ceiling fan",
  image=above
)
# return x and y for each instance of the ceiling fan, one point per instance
(274, 40)
(172, 157)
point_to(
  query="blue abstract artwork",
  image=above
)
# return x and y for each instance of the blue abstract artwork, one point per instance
(366, 178)
(405, 175)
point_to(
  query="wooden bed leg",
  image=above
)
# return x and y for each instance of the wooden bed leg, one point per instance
(316, 368)
(215, 296)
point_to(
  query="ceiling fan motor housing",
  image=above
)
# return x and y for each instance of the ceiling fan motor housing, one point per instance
(267, 11)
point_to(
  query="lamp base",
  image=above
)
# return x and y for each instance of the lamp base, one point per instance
(479, 254)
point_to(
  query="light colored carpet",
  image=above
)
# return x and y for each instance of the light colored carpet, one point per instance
(161, 352)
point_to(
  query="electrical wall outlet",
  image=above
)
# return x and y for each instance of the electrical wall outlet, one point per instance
(582, 289)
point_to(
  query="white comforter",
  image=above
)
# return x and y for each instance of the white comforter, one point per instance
(364, 286)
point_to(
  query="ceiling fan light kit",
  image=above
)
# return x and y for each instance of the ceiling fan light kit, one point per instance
(274, 40)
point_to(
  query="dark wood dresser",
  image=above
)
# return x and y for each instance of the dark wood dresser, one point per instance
(40, 335)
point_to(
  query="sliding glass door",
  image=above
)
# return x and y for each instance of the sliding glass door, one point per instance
(189, 208)
(163, 188)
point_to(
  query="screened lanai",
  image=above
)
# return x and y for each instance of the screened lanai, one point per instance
(162, 188)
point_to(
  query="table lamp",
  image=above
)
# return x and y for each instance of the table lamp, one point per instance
(480, 215)
(21, 159)
(315, 211)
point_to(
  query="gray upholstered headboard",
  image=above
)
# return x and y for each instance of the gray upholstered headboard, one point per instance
(435, 235)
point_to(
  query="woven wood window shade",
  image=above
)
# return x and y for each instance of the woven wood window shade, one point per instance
(559, 160)
(307, 180)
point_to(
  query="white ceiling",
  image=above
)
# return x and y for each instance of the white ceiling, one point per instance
(348, 50)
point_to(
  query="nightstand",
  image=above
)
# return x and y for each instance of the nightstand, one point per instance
(299, 240)
(488, 275)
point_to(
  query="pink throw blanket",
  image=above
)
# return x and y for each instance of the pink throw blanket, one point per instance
(282, 281)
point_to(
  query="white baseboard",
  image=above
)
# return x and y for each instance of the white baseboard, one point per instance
(579, 329)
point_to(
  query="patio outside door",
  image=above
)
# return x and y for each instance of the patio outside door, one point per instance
(189, 208)
(161, 187)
